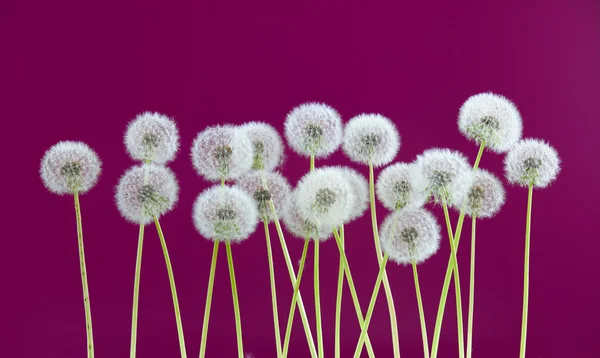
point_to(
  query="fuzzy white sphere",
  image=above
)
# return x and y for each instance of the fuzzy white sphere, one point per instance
(302, 228)
(492, 119)
(441, 169)
(410, 235)
(146, 191)
(313, 129)
(152, 137)
(225, 213)
(401, 185)
(360, 189)
(69, 167)
(371, 139)
(325, 197)
(483, 198)
(222, 152)
(532, 161)
(266, 186)
(267, 145)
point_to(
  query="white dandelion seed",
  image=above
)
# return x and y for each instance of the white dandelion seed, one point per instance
(492, 119)
(267, 145)
(152, 137)
(300, 227)
(483, 197)
(371, 139)
(222, 153)
(145, 192)
(265, 186)
(69, 167)
(360, 190)
(313, 129)
(410, 235)
(441, 168)
(401, 185)
(225, 213)
(532, 161)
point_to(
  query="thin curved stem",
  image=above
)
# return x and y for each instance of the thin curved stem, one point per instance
(209, 294)
(84, 283)
(526, 273)
(318, 301)
(236, 302)
(273, 290)
(338, 301)
(136, 292)
(471, 290)
(421, 311)
(173, 288)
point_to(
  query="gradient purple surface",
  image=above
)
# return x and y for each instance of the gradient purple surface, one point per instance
(82, 71)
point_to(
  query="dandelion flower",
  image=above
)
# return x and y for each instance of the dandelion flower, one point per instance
(532, 162)
(152, 137)
(491, 119)
(225, 213)
(401, 185)
(360, 190)
(313, 129)
(69, 167)
(483, 198)
(300, 227)
(265, 186)
(222, 153)
(441, 169)
(267, 145)
(371, 139)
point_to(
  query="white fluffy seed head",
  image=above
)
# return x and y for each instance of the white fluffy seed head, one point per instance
(532, 161)
(69, 167)
(266, 186)
(492, 119)
(325, 197)
(146, 191)
(371, 139)
(401, 185)
(267, 146)
(313, 129)
(410, 235)
(483, 198)
(225, 213)
(222, 152)
(152, 137)
(301, 228)
(360, 190)
(441, 169)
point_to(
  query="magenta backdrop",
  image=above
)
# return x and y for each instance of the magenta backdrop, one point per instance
(81, 70)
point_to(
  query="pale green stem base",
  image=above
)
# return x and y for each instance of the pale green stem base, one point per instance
(338, 301)
(471, 290)
(421, 311)
(136, 292)
(209, 294)
(236, 302)
(526, 274)
(318, 301)
(273, 290)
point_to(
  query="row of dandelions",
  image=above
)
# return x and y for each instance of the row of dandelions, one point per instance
(322, 203)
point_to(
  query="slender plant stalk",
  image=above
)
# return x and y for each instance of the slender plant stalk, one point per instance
(86, 293)
(273, 290)
(421, 311)
(236, 302)
(526, 275)
(365, 324)
(209, 293)
(318, 301)
(449, 270)
(312, 162)
(173, 288)
(386, 283)
(338, 301)
(471, 290)
(136, 292)
(288, 330)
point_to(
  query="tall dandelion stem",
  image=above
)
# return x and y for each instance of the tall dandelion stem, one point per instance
(86, 293)
(318, 301)
(471, 290)
(273, 290)
(236, 303)
(421, 311)
(136, 292)
(338, 301)
(173, 288)
(209, 293)
(526, 275)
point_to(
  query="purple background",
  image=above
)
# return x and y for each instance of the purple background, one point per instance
(81, 70)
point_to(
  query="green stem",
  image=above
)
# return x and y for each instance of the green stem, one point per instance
(365, 324)
(236, 302)
(526, 275)
(273, 290)
(312, 162)
(209, 294)
(421, 311)
(173, 288)
(471, 290)
(136, 292)
(86, 293)
(386, 283)
(318, 301)
(338, 301)
(295, 296)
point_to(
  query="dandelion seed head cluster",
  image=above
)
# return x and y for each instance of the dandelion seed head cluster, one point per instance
(313, 129)
(152, 137)
(441, 169)
(483, 198)
(371, 139)
(297, 225)
(532, 161)
(266, 186)
(267, 146)
(360, 190)
(401, 185)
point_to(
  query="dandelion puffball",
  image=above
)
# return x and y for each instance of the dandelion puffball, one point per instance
(225, 213)
(222, 152)
(483, 198)
(360, 189)
(401, 185)
(152, 137)
(371, 139)
(313, 129)
(69, 167)
(410, 235)
(145, 192)
(532, 161)
(266, 186)
(325, 197)
(441, 169)
(491, 119)
(301, 228)
(267, 146)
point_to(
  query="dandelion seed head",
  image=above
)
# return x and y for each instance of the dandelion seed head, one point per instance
(265, 186)
(296, 224)
(440, 169)
(532, 161)
(267, 146)
(313, 129)
(152, 137)
(401, 185)
(371, 138)
(360, 190)
(483, 197)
